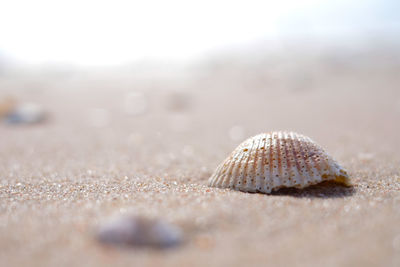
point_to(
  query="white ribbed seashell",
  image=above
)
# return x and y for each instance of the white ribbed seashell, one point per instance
(267, 162)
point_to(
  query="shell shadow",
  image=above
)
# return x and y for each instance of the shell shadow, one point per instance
(322, 190)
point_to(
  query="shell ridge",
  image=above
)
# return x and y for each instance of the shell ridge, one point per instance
(294, 152)
(275, 177)
(252, 172)
(297, 178)
(266, 171)
(260, 167)
(217, 174)
(235, 170)
(304, 152)
(288, 165)
(319, 150)
(302, 161)
(236, 158)
(315, 165)
(230, 176)
(225, 175)
(222, 173)
(231, 165)
(271, 161)
(244, 171)
(279, 154)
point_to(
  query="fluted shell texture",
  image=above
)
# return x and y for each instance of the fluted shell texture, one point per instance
(270, 161)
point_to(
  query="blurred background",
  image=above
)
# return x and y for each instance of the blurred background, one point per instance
(90, 62)
(174, 65)
(225, 68)
(105, 33)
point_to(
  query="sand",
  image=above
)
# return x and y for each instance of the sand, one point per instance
(99, 154)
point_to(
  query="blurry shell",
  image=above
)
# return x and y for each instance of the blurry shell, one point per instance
(267, 162)
(27, 113)
(139, 232)
(7, 104)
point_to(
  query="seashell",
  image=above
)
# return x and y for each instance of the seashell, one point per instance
(28, 113)
(267, 162)
(139, 232)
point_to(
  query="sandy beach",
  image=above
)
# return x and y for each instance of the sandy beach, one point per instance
(133, 142)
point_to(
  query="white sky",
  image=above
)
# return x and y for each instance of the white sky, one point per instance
(96, 32)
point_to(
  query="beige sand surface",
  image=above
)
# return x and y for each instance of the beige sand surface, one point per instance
(60, 179)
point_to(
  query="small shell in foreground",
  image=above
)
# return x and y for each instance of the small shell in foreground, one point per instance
(270, 161)
(139, 232)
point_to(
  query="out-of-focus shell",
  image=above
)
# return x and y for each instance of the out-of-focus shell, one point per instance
(140, 232)
(267, 162)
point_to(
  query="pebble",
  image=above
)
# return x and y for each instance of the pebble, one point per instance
(7, 104)
(178, 101)
(27, 113)
(134, 231)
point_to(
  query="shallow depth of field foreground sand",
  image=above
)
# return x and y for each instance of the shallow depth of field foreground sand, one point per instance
(93, 159)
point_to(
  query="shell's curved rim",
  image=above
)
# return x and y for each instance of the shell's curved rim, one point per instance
(286, 143)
